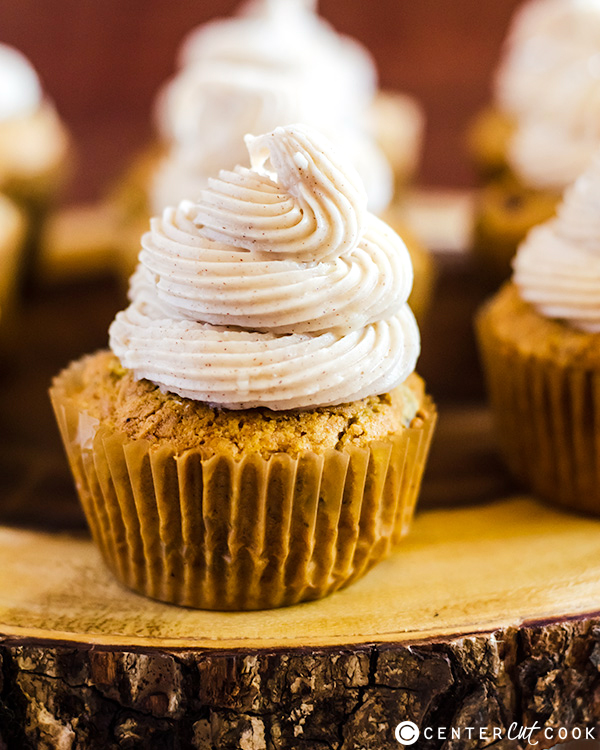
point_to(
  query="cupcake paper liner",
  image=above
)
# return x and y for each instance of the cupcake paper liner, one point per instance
(547, 417)
(237, 534)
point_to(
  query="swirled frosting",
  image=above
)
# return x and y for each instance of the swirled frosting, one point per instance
(289, 36)
(557, 267)
(20, 89)
(274, 64)
(549, 82)
(277, 288)
(550, 156)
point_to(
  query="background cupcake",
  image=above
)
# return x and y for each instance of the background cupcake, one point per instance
(12, 238)
(540, 343)
(33, 141)
(256, 439)
(272, 64)
(542, 131)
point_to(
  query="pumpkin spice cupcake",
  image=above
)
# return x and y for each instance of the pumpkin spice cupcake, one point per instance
(257, 435)
(540, 343)
(33, 144)
(12, 238)
(542, 131)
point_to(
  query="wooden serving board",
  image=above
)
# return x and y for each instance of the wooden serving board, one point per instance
(485, 615)
(459, 571)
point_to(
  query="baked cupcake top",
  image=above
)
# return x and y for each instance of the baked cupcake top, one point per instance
(277, 289)
(549, 82)
(275, 63)
(557, 267)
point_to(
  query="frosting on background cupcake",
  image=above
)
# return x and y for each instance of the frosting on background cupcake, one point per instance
(274, 64)
(20, 89)
(288, 36)
(32, 138)
(557, 268)
(277, 289)
(549, 82)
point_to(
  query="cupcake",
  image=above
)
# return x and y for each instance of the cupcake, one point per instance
(487, 140)
(256, 436)
(12, 237)
(424, 272)
(399, 125)
(33, 142)
(329, 76)
(540, 345)
(542, 131)
(273, 64)
(504, 213)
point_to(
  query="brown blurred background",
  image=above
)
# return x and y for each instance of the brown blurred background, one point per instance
(103, 60)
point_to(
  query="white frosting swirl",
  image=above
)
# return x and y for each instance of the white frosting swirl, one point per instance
(549, 82)
(309, 311)
(275, 211)
(557, 267)
(548, 156)
(202, 105)
(20, 89)
(288, 36)
(551, 51)
(275, 64)
(221, 285)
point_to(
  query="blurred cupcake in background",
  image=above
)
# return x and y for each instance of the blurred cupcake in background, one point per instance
(399, 125)
(544, 126)
(12, 238)
(275, 63)
(540, 343)
(33, 142)
(296, 64)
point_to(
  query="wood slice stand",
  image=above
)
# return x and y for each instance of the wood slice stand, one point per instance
(484, 617)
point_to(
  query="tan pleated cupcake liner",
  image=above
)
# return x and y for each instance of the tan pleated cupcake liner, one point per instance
(251, 533)
(547, 419)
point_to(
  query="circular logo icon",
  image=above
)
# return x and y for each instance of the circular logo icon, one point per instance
(407, 733)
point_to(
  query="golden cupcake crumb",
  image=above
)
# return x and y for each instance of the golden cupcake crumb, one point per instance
(140, 410)
(516, 325)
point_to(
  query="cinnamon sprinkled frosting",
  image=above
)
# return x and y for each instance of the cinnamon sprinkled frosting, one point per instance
(557, 267)
(277, 288)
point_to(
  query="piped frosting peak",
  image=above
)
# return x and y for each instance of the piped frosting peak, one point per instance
(557, 268)
(277, 288)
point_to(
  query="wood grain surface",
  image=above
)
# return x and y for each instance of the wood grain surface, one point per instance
(460, 571)
(484, 618)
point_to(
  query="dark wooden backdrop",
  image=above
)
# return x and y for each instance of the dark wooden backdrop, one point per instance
(103, 60)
